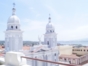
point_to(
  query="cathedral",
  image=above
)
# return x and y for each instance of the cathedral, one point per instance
(46, 51)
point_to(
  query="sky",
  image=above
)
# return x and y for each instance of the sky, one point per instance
(69, 17)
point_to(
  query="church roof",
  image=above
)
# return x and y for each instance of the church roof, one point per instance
(39, 48)
(13, 19)
(49, 25)
(26, 47)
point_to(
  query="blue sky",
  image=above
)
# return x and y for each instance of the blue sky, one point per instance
(70, 18)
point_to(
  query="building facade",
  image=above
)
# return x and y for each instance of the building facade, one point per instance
(80, 50)
(73, 54)
(73, 59)
(65, 49)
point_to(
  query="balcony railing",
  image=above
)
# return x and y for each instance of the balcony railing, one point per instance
(53, 62)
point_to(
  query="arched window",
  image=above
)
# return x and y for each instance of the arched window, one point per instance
(73, 49)
(16, 27)
(11, 27)
(48, 42)
(65, 59)
(51, 31)
(70, 62)
(55, 54)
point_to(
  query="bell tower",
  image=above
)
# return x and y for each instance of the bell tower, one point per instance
(50, 37)
(13, 33)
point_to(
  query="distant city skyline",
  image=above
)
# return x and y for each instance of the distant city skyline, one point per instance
(70, 18)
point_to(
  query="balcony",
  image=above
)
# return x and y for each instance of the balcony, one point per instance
(19, 59)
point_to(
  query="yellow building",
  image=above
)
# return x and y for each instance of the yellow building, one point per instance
(80, 50)
(65, 49)
(73, 55)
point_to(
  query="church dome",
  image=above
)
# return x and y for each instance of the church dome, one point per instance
(13, 19)
(49, 25)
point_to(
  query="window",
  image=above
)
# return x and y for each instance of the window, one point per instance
(48, 42)
(12, 27)
(55, 54)
(73, 59)
(65, 59)
(70, 62)
(16, 27)
(50, 30)
(60, 58)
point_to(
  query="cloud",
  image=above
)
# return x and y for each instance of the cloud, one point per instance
(68, 27)
(74, 34)
(33, 25)
(31, 8)
(54, 12)
(3, 4)
(33, 28)
(26, 2)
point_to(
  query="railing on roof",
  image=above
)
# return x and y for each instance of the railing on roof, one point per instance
(50, 61)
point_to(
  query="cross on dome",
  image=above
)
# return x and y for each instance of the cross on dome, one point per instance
(13, 4)
(13, 10)
(13, 18)
(49, 18)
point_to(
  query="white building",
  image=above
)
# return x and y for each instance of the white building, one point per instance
(43, 52)
(48, 51)
(14, 42)
(50, 37)
(13, 33)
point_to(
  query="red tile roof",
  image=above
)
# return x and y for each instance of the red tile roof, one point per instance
(26, 47)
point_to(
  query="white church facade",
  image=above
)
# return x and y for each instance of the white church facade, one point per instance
(46, 51)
